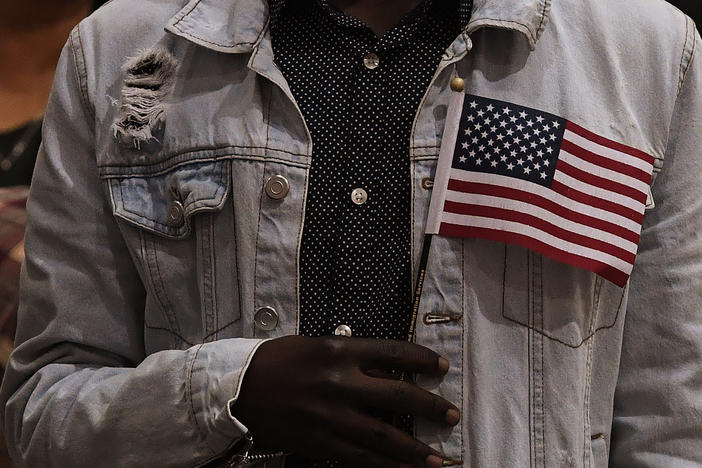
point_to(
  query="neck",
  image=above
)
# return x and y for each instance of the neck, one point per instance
(379, 15)
(32, 40)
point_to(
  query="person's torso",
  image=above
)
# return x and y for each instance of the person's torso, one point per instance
(211, 199)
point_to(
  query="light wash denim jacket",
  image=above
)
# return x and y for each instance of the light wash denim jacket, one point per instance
(152, 243)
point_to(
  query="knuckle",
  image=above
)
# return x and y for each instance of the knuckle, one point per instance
(393, 350)
(332, 347)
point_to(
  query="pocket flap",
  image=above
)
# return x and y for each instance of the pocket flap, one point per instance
(165, 202)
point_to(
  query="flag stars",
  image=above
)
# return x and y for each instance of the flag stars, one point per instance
(462, 159)
(543, 175)
(464, 145)
(539, 119)
(506, 110)
(490, 108)
(527, 170)
(510, 166)
(471, 154)
(530, 123)
(520, 161)
(523, 114)
(493, 163)
(473, 105)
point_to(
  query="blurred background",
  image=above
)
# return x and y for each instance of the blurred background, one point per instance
(33, 33)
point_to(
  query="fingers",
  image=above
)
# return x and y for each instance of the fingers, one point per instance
(388, 441)
(405, 398)
(398, 355)
(354, 455)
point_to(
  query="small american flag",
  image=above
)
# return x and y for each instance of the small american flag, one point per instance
(518, 175)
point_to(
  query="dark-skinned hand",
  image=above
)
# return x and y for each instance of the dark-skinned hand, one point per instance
(311, 396)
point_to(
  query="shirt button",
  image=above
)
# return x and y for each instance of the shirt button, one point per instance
(371, 61)
(175, 214)
(266, 318)
(277, 187)
(343, 330)
(359, 196)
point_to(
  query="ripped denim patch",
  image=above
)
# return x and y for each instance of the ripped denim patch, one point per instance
(148, 80)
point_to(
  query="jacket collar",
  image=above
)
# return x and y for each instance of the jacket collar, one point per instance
(236, 26)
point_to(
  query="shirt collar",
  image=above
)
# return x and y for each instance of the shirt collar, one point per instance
(236, 26)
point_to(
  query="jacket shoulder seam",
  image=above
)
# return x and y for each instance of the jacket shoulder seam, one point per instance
(688, 52)
(76, 44)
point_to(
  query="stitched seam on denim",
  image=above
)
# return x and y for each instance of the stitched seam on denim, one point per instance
(268, 114)
(236, 256)
(693, 54)
(299, 249)
(174, 334)
(184, 14)
(256, 247)
(190, 398)
(105, 174)
(681, 73)
(220, 329)
(463, 334)
(81, 72)
(486, 18)
(543, 369)
(208, 275)
(195, 208)
(163, 296)
(542, 23)
(148, 269)
(587, 426)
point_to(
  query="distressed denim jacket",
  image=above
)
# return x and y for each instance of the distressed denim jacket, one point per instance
(153, 243)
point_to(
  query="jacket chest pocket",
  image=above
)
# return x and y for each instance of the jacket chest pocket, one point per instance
(566, 304)
(179, 225)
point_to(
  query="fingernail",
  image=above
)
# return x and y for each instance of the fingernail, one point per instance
(433, 461)
(452, 416)
(443, 365)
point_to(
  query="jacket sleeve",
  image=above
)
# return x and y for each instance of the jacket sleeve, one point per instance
(658, 401)
(79, 390)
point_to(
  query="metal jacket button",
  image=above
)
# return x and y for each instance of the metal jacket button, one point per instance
(266, 318)
(176, 212)
(371, 61)
(343, 330)
(359, 196)
(277, 187)
(427, 183)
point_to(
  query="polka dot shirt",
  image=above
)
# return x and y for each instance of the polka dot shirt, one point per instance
(355, 255)
(355, 258)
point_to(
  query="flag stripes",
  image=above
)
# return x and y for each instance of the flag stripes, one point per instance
(551, 186)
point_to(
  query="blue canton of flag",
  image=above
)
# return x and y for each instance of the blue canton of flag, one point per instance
(510, 140)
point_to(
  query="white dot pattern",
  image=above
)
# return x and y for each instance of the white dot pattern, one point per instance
(355, 259)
